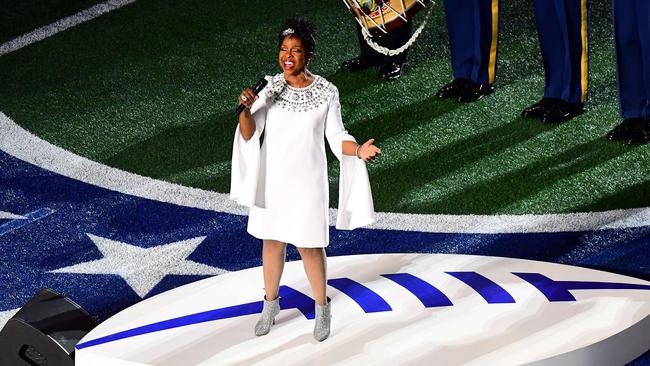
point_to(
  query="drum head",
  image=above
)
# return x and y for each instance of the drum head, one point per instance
(382, 16)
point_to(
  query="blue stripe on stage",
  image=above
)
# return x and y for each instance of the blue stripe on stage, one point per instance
(559, 290)
(289, 299)
(490, 291)
(206, 316)
(293, 299)
(369, 300)
(429, 295)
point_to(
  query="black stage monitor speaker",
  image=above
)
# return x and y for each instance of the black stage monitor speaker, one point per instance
(44, 332)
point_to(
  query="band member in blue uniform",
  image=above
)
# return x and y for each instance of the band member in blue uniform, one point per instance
(563, 30)
(390, 67)
(632, 39)
(473, 27)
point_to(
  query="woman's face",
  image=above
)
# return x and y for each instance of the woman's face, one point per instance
(292, 56)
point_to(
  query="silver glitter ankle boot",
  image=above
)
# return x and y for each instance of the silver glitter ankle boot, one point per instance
(322, 325)
(269, 311)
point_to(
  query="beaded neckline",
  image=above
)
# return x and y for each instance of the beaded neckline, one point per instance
(295, 99)
(316, 77)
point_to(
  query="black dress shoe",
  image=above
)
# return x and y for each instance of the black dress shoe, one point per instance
(562, 111)
(391, 71)
(452, 89)
(359, 63)
(473, 92)
(641, 134)
(538, 109)
(623, 131)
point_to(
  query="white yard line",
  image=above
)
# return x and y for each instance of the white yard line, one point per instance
(61, 25)
(25, 146)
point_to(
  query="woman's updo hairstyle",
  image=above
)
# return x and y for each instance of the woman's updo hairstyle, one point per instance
(299, 26)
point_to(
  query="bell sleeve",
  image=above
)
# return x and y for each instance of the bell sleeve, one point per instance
(355, 208)
(246, 157)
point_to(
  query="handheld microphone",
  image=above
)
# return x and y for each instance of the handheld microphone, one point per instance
(256, 90)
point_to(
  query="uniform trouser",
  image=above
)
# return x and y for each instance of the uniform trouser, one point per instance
(563, 29)
(473, 27)
(392, 40)
(632, 39)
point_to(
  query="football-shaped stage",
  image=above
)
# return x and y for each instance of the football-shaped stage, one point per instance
(390, 309)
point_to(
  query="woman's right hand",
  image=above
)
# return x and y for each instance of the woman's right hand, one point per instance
(247, 97)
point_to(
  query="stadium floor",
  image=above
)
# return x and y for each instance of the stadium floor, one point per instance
(149, 88)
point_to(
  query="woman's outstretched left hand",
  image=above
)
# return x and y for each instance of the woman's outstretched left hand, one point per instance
(368, 151)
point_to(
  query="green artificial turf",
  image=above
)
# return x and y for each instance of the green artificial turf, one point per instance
(150, 88)
(20, 17)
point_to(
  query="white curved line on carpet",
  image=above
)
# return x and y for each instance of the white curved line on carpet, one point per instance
(49, 30)
(25, 146)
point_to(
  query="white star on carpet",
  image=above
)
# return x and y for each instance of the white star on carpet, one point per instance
(143, 268)
(10, 216)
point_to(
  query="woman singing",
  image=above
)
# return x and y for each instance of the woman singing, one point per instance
(285, 181)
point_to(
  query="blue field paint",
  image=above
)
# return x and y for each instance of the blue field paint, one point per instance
(424, 291)
(489, 290)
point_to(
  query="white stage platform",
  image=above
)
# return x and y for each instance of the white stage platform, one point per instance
(390, 309)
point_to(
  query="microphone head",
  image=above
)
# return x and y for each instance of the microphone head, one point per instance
(260, 85)
(256, 90)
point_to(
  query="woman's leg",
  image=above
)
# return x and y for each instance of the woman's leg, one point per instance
(314, 260)
(273, 256)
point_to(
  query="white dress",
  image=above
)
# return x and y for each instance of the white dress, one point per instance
(284, 183)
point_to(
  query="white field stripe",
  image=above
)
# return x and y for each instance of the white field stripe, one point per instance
(61, 25)
(10, 216)
(25, 146)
